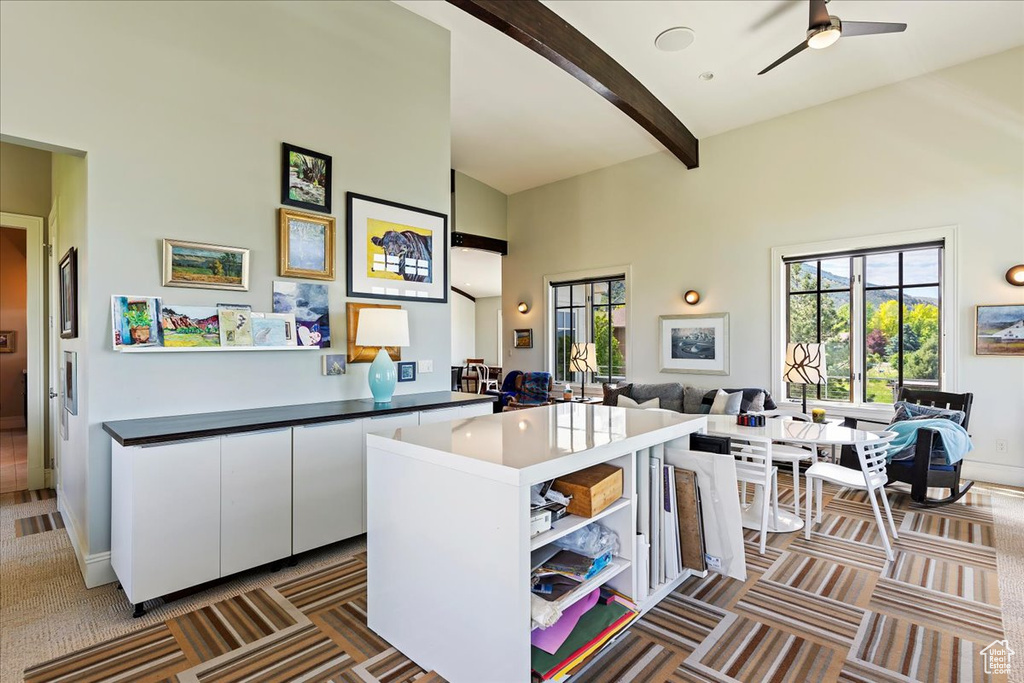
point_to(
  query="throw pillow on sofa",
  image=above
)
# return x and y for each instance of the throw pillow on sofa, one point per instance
(912, 411)
(748, 395)
(613, 391)
(726, 403)
(627, 402)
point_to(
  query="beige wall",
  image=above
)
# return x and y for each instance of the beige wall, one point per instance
(24, 180)
(12, 318)
(479, 208)
(942, 149)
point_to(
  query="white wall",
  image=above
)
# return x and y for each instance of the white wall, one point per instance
(487, 329)
(182, 108)
(942, 149)
(479, 208)
(463, 329)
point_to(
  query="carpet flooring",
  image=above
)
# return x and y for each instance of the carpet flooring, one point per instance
(826, 609)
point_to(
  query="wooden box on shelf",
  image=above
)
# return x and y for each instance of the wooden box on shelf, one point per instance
(592, 489)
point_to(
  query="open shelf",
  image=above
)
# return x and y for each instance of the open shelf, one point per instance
(614, 568)
(570, 523)
(206, 349)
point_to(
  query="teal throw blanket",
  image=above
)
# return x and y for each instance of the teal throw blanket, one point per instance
(955, 439)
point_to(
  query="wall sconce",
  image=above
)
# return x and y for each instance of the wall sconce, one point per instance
(1015, 275)
(691, 297)
(523, 307)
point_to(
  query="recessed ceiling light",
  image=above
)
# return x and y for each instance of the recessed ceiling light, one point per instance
(468, 285)
(674, 39)
(706, 76)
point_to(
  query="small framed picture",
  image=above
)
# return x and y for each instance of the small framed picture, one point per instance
(306, 245)
(7, 341)
(71, 382)
(998, 330)
(69, 294)
(407, 371)
(203, 266)
(332, 364)
(696, 344)
(523, 339)
(305, 179)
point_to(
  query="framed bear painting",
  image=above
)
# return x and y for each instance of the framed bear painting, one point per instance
(396, 251)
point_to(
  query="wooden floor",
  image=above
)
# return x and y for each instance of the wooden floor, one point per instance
(13, 460)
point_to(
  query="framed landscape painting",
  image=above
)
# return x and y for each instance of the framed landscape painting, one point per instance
(523, 339)
(186, 326)
(306, 245)
(999, 330)
(206, 266)
(396, 251)
(305, 179)
(697, 344)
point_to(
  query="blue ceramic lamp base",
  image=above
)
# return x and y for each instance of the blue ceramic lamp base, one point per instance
(383, 377)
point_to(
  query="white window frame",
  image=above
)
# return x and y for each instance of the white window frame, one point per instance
(625, 272)
(949, 318)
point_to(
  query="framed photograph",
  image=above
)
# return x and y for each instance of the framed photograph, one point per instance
(396, 251)
(307, 302)
(205, 266)
(69, 294)
(7, 338)
(305, 179)
(306, 245)
(999, 330)
(407, 371)
(135, 321)
(695, 344)
(332, 364)
(71, 382)
(365, 354)
(523, 339)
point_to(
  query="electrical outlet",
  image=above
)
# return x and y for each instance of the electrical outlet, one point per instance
(1000, 445)
(426, 366)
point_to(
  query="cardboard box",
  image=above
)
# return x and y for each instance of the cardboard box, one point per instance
(592, 489)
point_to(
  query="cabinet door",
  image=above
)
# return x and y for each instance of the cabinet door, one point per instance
(175, 504)
(475, 410)
(439, 415)
(256, 499)
(385, 424)
(327, 483)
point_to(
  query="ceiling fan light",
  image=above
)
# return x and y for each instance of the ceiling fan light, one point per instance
(824, 38)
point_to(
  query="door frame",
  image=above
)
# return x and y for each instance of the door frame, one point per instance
(54, 388)
(35, 313)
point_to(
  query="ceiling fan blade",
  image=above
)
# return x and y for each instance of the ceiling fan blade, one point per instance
(869, 28)
(819, 15)
(792, 53)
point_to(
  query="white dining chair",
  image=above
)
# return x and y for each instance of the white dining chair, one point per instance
(870, 478)
(754, 466)
(483, 380)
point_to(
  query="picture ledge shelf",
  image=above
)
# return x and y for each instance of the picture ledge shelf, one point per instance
(192, 349)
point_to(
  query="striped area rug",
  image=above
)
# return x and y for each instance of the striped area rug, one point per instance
(19, 497)
(831, 608)
(38, 524)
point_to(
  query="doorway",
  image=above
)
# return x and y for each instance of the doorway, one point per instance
(476, 308)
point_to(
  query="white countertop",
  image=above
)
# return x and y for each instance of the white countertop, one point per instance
(525, 447)
(792, 431)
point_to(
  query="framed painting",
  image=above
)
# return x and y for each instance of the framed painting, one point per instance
(999, 330)
(332, 364)
(272, 330)
(364, 354)
(7, 338)
(135, 321)
(695, 344)
(190, 325)
(308, 302)
(306, 245)
(205, 266)
(396, 251)
(523, 339)
(69, 294)
(305, 179)
(407, 371)
(71, 382)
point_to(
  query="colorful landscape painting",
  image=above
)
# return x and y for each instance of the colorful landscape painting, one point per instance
(190, 325)
(135, 321)
(398, 252)
(308, 302)
(188, 264)
(1000, 331)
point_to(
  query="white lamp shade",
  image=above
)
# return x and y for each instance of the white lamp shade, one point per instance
(805, 363)
(584, 357)
(383, 327)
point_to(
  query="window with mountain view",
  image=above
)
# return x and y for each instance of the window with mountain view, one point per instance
(590, 311)
(877, 314)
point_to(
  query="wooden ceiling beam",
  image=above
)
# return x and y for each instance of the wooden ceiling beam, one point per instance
(534, 25)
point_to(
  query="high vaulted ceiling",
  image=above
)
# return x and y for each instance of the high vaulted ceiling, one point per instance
(518, 121)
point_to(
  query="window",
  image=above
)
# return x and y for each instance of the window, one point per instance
(590, 311)
(878, 315)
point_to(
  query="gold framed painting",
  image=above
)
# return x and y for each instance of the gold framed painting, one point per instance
(7, 340)
(364, 354)
(306, 245)
(205, 266)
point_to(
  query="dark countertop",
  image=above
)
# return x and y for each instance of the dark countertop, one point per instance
(152, 430)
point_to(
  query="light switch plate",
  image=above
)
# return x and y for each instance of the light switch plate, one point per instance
(426, 366)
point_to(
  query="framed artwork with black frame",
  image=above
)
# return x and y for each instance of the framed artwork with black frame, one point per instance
(69, 294)
(396, 251)
(305, 178)
(407, 371)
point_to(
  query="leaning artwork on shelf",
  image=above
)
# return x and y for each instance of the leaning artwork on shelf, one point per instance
(187, 326)
(308, 303)
(235, 326)
(135, 321)
(273, 329)
(1000, 330)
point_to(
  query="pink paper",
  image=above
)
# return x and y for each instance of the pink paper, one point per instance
(551, 638)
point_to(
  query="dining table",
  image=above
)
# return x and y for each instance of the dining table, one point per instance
(783, 429)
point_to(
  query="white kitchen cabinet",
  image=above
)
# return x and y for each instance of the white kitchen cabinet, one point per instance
(162, 503)
(385, 425)
(440, 415)
(256, 499)
(327, 483)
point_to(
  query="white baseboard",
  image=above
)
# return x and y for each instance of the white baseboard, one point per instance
(993, 473)
(12, 422)
(96, 568)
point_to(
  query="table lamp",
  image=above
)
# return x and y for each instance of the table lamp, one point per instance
(383, 327)
(805, 364)
(583, 359)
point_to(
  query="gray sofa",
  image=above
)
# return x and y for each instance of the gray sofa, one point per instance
(682, 398)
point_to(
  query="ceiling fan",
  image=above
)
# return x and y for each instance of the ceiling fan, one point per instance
(824, 30)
